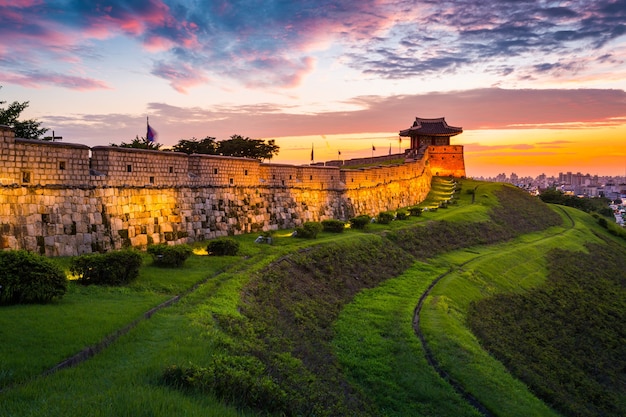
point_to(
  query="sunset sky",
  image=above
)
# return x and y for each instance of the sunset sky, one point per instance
(538, 86)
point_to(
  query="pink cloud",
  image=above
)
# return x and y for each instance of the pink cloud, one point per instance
(181, 76)
(36, 80)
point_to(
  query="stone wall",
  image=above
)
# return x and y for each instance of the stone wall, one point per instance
(447, 161)
(107, 198)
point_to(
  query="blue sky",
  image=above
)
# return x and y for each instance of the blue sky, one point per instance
(337, 74)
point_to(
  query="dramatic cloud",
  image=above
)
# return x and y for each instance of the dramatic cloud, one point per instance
(472, 110)
(274, 43)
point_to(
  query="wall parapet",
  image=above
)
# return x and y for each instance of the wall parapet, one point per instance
(64, 199)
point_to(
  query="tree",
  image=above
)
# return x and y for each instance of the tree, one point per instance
(139, 143)
(207, 146)
(27, 129)
(239, 146)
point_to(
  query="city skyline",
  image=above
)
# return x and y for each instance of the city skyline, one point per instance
(538, 87)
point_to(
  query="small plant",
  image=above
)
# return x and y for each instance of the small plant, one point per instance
(112, 268)
(402, 215)
(26, 277)
(169, 255)
(360, 222)
(415, 211)
(602, 222)
(333, 225)
(385, 217)
(223, 246)
(309, 230)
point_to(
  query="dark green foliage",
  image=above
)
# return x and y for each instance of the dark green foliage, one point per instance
(223, 246)
(385, 217)
(333, 225)
(402, 215)
(207, 146)
(309, 230)
(587, 204)
(602, 222)
(26, 277)
(239, 146)
(169, 255)
(566, 339)
(415, 211)
(27, 129)
(360, 222)
(239, 380)
(112, 268)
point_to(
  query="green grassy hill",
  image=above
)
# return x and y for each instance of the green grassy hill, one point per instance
(330, 326)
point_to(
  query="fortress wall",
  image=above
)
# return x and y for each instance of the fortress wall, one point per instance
(35, 162)
(176, 198)
(447, 161)
(315, 177)
(223, 170)
(117, 167)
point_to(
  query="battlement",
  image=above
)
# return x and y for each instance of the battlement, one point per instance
(63, 199)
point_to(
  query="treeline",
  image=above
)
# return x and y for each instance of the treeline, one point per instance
(586, 204)
(566, 339)
(236, 145)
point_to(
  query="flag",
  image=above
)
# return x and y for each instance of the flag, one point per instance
(339, 153)
(311, 152)
(373, 148)
(151, 134)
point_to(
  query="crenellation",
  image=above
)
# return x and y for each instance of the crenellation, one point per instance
(62, 199)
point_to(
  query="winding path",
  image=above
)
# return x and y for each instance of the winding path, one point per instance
(430, 357)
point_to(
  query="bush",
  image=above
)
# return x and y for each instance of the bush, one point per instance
(26, 277)
(602, 222)
(169, 255)
(402, 215)
(112, 268)
(309, 230)
(415, 211)
(360, 222)
(223, 246)
(239, 380)
(385, 217)
(333, 225)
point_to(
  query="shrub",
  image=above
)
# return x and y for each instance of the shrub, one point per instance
(223, 246)
(402, 215)
(169, 255)
(602, 222)
(309, 230)
(360, 222)
(415, 211)
(112, 268)
(239, 380)
(385, 217)
(26, 277)
(333, 225)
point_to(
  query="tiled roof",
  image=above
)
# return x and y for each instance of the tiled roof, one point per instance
(431, 127)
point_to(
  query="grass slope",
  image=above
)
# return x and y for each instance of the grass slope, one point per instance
(296, 328)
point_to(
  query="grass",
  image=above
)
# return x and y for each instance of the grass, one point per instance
(378, 350)
(323, 316)
(516, 266)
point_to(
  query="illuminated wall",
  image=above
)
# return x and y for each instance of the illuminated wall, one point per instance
(62, 199)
